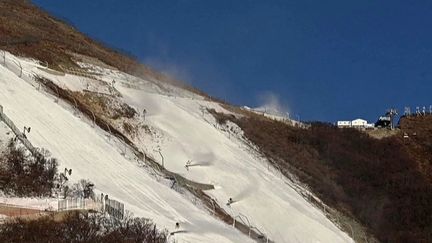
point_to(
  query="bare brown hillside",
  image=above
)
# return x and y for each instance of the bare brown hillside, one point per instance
(26, 30)
(383, 183)
(418, 141)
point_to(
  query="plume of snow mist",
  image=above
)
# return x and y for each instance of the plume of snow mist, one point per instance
(203, 159)
(201, 163)
(178, 71)
(249, 190)
(271, 103)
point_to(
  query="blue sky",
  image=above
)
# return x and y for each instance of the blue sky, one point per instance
(324, 60)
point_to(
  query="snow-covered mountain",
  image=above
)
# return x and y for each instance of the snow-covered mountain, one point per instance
(172, 126)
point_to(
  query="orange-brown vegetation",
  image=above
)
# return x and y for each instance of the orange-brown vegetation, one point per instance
(105, 106)
(26, 30)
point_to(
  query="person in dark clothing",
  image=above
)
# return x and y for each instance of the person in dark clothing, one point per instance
(230, 201)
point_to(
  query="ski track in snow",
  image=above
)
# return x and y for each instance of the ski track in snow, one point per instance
(263, 197)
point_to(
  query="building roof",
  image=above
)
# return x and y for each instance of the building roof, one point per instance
(358, 120)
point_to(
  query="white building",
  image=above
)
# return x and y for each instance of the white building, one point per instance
(357, 123)
(370, 126)
(344, 123)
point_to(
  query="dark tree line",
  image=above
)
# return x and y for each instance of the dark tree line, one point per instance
(24, 175)
(81, 227)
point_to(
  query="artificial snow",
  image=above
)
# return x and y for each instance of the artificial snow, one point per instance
(182, 130)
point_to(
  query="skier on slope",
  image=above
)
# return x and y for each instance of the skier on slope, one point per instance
(230, 201)
(188, 163)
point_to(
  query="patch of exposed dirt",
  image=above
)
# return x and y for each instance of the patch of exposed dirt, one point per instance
(382, 133)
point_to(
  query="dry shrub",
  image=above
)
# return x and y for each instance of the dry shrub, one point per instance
(128, 128)
(221, 118)
(125, 111)
(24, 175)
(105, 106)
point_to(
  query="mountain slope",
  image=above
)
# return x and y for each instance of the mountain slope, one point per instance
(176, 128)
(27, 30)
(93, 155)
(182, 131)
(383, 183)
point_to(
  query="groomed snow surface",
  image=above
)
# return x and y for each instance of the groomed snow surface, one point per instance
(183, 131)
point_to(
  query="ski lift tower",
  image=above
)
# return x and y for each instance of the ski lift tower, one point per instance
(392, 113)
(407, 111)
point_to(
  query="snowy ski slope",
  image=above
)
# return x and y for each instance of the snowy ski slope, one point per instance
(91, 155)
(183, 131)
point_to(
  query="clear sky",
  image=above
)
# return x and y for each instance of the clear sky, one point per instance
(325, 60)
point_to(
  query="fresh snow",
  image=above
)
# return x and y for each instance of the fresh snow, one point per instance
(91, 155)
(216, 158)
(32, 203)
(183, 131)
